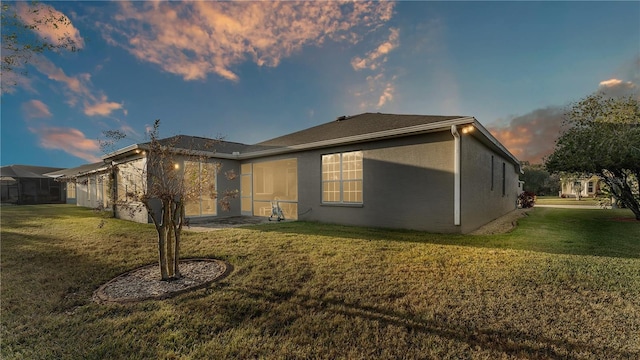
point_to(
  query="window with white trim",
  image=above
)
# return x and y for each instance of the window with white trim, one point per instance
(342, 178)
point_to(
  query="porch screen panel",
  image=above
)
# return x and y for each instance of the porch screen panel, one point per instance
(208, 173)
(200, 181)
(245, 189)
(192, 179)
(275, 180)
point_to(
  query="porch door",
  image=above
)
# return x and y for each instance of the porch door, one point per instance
(246, 189)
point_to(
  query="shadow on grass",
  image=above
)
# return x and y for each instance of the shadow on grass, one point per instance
(590, 232)
(511, 342)
(40, 269)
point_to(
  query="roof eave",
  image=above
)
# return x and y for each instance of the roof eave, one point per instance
(497, 144)
(405, 131)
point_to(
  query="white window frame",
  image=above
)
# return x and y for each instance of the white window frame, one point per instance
(340, 180)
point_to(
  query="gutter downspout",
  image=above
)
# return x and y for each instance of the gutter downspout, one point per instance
(456, 175)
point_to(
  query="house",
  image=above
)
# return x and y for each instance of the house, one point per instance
(27, 184)
(579, 187)
(86, 185)
(443, 174)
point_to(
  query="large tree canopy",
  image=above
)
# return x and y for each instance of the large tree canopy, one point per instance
(603, 138)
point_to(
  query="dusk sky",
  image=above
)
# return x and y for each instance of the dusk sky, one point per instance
(251, 71)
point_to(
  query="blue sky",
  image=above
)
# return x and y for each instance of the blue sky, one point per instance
(251, 71)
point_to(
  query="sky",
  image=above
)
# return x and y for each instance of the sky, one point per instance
(251, 71)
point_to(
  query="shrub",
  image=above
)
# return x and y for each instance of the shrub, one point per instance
(526, 199)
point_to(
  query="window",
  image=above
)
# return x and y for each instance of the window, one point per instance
(504, 179)
(491, 172)
(342, 178)
(71, 190)
(590, 187)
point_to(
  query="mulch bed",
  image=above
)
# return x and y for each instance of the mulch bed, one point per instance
(144, 283)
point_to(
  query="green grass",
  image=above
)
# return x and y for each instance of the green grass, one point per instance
(564, 284)
(555, 200)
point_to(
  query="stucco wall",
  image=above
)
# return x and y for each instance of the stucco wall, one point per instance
(93, 191)
(482, 202)
(132, 173)
(407, 183)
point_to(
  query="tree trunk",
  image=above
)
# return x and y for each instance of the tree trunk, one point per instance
(162, 252)
(622, 191)
(169, 226)
(177, 233)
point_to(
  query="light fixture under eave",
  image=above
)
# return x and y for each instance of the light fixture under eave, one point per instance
(176, 166)
(467, 129)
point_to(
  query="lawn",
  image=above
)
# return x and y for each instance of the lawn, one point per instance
(564, 284)
(555, 200)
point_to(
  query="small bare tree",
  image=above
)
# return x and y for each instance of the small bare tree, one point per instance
(166, 185)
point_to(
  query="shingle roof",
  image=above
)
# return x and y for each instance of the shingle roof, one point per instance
(196, 143)
(73, 172)
(361, 124)
(26, 171)
(345, 129)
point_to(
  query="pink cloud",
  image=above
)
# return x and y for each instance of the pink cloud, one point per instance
(79, 88)
(101, 107)
(48, 27)
(375, 58)
(69, 140)
(387, 95)
(193, 39)
(380, 88)
(35, 109)
(532, 136)
(75, 86)
(11, 80)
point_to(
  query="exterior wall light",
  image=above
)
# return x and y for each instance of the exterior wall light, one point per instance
(176, 166)
(467, 129)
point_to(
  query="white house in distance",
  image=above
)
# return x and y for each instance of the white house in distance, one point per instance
(443, 174)
(582, 186)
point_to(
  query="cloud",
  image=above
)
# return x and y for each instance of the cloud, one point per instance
(69, 140)
(102, 107)
(48, 24)
(76, 85)
(618, 88)
(375, 58)
(380, 88)
(194, 39)
(79, 89)
(532, 136)
(11, 80)
(35, 109)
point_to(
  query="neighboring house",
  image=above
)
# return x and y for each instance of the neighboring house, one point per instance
(583, 186)
(434, 173)
(86, 185)
(26, 184)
